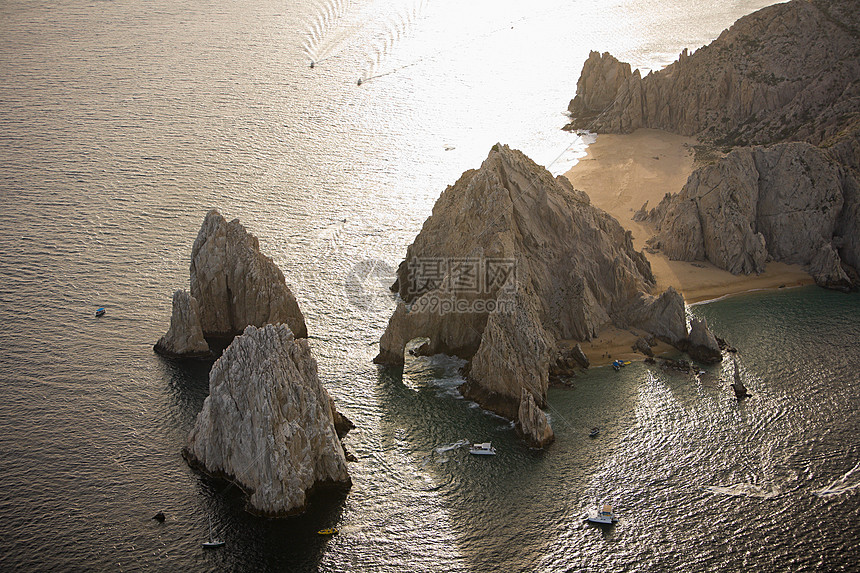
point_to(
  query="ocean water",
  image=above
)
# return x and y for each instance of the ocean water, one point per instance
(122, 123)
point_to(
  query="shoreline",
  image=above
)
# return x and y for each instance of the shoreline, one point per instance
(622, 172)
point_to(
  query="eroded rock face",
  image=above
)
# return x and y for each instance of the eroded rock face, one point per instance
(783, 203)
(601, 78)
(788, 71)
(184, 338)
(235, 284)
(703, 345)
(267, 422)
(663, 316)
(548, 266)
(532, 422)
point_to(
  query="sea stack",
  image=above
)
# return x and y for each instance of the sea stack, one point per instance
(532, 423)
(776, 100)
(235, 284)
(184, 338)
(511, 262)
(268, 423)
(703, 345)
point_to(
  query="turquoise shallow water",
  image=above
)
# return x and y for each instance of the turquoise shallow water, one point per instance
(121, 123)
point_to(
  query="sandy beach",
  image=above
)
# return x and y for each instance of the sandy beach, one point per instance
(622, 172)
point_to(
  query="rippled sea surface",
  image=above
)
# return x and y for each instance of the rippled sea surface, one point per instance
(122, 123)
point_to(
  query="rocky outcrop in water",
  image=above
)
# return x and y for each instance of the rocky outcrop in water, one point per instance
(184, 338)
(235, 284)
(788, 71)
(267, 423)
(787, 75)
(532, 423)
(510, 262)
(703, 346)
(781, 203)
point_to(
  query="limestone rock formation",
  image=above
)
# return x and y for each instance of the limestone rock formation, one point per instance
(643, 346)
(235, 284)
(599, 83)
(663, 316)
(787, 74)
(783, 203)
(532, 422)
(703, 345)
(568, 360)
(511, 262)
(267, 422)
(184, 338)
(787, 71)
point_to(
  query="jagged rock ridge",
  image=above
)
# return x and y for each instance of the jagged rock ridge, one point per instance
(232, 285)
(788, 73)
(268, 423)
(235, 284)
(566, 267)
(782, 203)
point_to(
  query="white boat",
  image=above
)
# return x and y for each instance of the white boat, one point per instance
(604, 516)
(212, 543)
(485, 449)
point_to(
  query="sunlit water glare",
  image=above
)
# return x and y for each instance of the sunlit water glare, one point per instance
(122, 123)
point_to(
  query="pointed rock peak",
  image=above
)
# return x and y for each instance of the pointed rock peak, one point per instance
(532, 422)
(237, 285)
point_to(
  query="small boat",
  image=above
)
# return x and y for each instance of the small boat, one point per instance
(100, 311)
(212, 543)
(605, 516)
(619, 364)
(485, 449)
(593, 433)
(328, 531)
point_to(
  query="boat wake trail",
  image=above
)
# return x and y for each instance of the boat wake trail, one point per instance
(438, 454)
(745, 490)
(393, 30)
(449, 447)
(850, 481)
(327, 34)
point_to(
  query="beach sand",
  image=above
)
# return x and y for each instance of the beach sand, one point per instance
(619, 174)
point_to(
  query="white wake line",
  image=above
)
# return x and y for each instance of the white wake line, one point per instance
(744, 490)
(840, 486)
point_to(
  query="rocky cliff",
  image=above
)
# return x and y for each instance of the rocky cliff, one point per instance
(785, 203)
(267, 423)
(235, 284)
(788, 71)
(510, 262)
(184, 338)
(787, 75)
